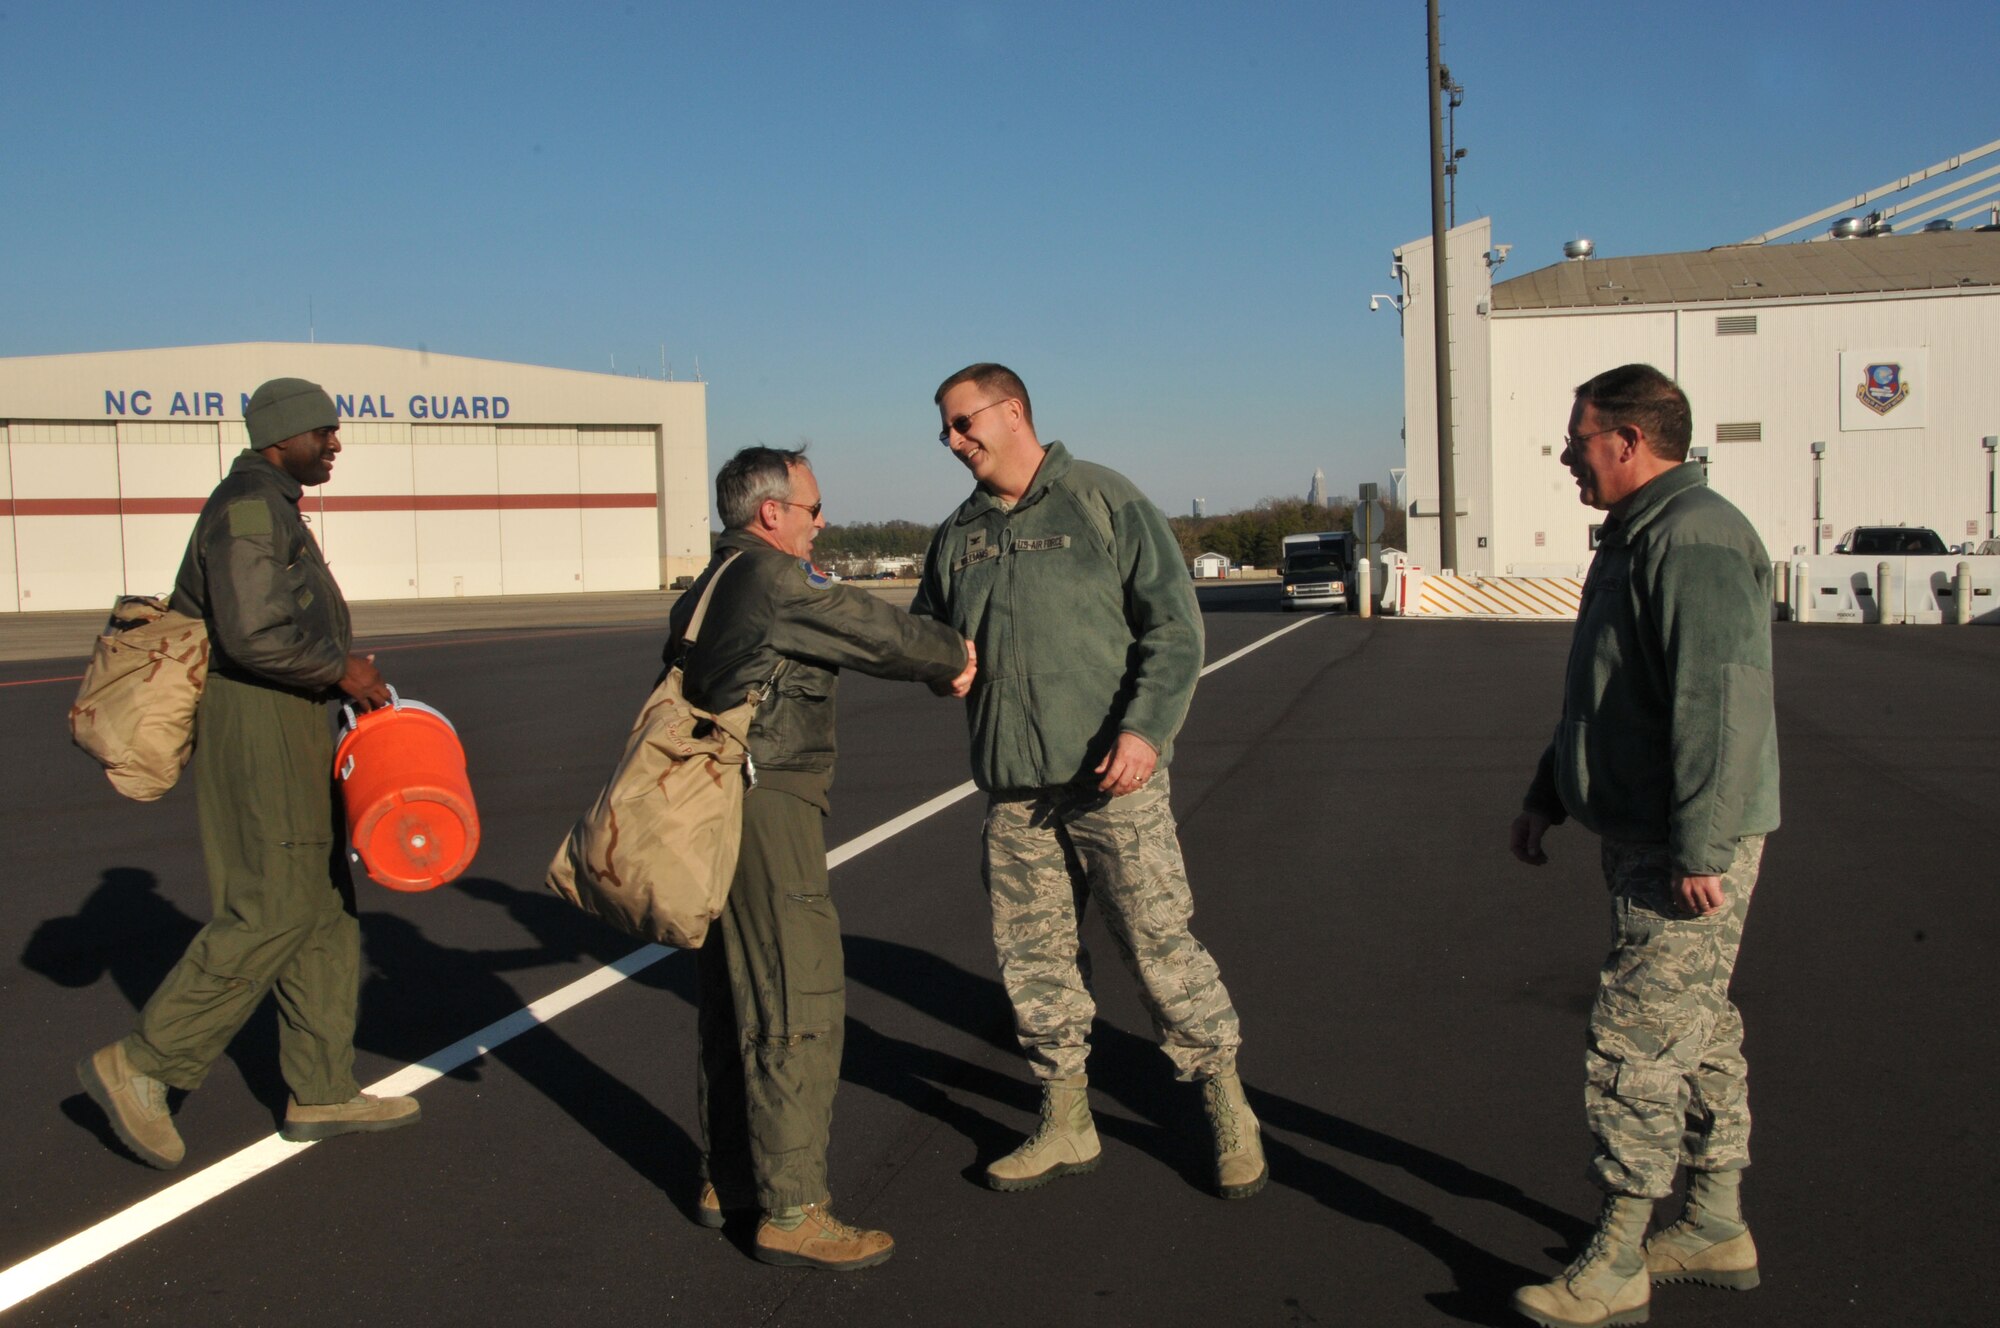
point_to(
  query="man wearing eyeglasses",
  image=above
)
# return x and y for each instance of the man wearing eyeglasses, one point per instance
(1667, 749)
(773, 1003)
(1072, 586)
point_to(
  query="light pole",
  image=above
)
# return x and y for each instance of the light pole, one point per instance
(1991, 442)
(1819, 454)
(1440, 81)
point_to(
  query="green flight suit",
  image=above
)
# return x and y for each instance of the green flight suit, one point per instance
(772, 977)
(283, 902)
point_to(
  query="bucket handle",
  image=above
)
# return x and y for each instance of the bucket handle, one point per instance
(347, 710)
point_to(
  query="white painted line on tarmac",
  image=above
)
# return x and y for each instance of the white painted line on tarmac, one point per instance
(41, 1271)
(1258, 644)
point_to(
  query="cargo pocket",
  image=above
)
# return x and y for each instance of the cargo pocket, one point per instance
(809, 957)
(1647, 1081)
(289, 888)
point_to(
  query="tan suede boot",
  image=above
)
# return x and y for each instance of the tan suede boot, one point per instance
(136, 1104)
(708, 1207)
(1065, 1144)
(1607, 1283)
(1240, 1169)
(1710, 1244)
(811, 1237)
(360, 1114)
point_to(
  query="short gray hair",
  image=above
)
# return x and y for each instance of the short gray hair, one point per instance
(753, 477)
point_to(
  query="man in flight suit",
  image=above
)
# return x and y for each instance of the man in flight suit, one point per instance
(773, 1000)
(282, 898)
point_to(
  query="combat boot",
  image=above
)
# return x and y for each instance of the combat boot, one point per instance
(1607, 1283)
(708, 1207)
(1710, 1244)
(809, 1236)
(712, 1212)
(136, 1104)
(1064, 1144)
(1240, 1169)
(359, 1114)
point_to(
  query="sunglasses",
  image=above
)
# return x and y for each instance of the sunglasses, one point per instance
(812, 509)
(960, 423)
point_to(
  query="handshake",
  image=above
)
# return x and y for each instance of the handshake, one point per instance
(961, 686)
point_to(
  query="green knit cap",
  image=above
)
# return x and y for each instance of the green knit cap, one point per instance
(285, 408)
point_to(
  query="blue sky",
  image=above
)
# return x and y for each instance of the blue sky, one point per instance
(1167, 217)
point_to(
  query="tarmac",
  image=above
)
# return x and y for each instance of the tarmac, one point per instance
(69, 634)
(1413, 1004)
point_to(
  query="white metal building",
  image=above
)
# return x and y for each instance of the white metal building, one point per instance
(1885, 349)
(456, 476)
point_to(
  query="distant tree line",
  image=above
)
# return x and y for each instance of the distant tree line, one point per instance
(852, 550)
(1254, 536)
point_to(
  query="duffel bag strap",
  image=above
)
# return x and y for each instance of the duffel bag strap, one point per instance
(701, 609)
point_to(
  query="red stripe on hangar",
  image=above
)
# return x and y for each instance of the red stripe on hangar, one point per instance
(425, 502)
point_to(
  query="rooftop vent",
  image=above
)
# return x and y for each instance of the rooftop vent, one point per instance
(1937, 227)
(1848, 228)
(1578, 249)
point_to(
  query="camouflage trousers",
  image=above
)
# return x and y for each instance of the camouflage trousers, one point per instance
(1665, 1076)
(1046, 856)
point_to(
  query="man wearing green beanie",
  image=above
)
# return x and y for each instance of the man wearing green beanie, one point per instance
(284, 920)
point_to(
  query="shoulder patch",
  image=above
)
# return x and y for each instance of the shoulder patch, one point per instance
(249, 516)
(815, 578)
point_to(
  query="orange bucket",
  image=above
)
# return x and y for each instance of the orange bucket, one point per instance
(410, 817)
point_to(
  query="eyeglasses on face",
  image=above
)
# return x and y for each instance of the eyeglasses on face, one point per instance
(1574, 442)
(960, 423)
(812, 509)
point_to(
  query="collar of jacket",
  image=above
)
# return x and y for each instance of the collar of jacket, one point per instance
(1055, 465)
(1648, 502)
(254, 463)
(744, 540)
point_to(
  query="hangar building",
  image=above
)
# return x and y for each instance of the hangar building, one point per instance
(456, 476)
(1885, 349)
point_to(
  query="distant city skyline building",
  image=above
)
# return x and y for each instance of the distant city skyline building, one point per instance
(1316, 495)
(1200, 507)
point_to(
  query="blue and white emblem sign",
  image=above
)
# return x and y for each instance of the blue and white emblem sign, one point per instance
(1883, 389)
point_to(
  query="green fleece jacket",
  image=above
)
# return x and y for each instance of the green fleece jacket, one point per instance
(1668, 734)
(775, 615)
(254, 572)
(1084, 617)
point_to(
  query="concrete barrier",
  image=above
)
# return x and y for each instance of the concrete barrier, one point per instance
(1931, 588)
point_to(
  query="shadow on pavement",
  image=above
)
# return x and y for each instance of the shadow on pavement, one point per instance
(402, 961)
(1166, 1120)
(127, 931)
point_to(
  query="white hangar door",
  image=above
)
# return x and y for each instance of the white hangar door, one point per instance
(621, 513)
(166, 470)
(69, 547)
(366, 518)
(456, 471)
(10, 581)
(541, 536)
